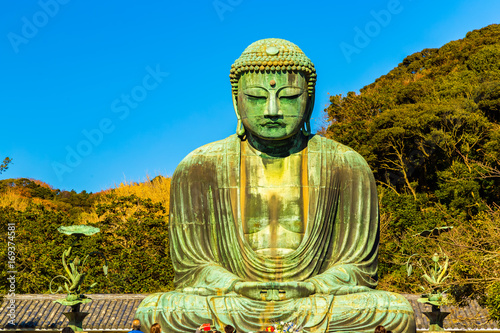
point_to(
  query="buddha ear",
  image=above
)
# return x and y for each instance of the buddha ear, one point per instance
(235, 106)
(311, 108)
(240, 130)
(306, 129)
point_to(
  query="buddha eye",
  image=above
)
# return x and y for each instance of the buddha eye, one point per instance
(289, 97)
(256, 94)
(255, 98)
(290, 93)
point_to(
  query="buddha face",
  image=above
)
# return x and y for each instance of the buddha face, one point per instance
(272, 106)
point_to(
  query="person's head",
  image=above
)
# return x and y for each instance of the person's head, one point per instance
(155, 328)
(67, 330)
(229, 329)
(205, 327)
(380, 329)
(273, 90)
(136, 325)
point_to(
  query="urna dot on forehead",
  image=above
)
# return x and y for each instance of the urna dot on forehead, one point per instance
(273, 55)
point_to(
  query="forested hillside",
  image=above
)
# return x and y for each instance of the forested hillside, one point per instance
(133, 219)
(430, 130)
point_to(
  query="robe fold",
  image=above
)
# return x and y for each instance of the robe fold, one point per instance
(338, 252)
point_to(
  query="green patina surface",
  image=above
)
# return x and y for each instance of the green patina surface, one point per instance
(275, 224)
(75, 270)
(434, 274)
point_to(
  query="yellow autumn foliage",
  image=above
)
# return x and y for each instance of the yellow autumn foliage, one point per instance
(156, 189)
(12, 199)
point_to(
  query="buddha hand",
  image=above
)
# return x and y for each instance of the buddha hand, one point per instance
(197, 291)
(339, 289)
(274, 291)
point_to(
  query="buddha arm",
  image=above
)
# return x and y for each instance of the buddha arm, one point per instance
(352, 266)
(194, 264)
(194, 261)
(194, 207)
(340, 280)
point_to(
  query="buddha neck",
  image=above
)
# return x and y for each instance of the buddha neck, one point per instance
(278, 148)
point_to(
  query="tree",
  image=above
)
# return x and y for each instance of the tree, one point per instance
(133, 236)
(5, 164)
(430, 130)
(134, 233)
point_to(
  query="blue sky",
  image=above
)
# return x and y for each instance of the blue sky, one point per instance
(93, 93)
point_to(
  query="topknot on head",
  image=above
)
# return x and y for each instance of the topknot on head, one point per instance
(273, 55)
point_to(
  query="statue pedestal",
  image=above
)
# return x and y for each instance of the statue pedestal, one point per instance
(76, 320)
(436, 319)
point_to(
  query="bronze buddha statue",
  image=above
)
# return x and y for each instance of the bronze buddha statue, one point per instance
(274, 223)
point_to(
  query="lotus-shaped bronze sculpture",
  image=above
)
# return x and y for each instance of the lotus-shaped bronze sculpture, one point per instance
(434, 274)
(75, 270)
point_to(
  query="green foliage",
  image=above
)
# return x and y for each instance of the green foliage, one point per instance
(38, 247)
(134, 238)
(493, 301)
(68, 201)
(487, 97)
(485, 59)
(474, 246)
(401, 218)
(5, 164)
(430, 130)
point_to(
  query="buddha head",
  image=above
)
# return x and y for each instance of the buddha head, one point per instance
(273, 90)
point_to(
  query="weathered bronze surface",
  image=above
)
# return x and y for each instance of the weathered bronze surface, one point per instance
(275, 224)
(75, 270)
(434, 275)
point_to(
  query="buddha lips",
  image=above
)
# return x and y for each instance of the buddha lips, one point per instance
(273, 124)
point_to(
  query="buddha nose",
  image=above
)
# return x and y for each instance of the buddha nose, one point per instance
(272, 109)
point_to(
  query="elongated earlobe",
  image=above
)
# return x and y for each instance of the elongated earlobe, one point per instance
(306, 128)
(240, 130)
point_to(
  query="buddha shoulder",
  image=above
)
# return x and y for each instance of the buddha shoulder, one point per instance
(339, 152)
(206, 156)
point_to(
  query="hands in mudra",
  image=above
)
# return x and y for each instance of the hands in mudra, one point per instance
(278, 291)
(262, 291)
(274, 291)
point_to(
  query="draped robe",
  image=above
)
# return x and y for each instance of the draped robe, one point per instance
(338, 252)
